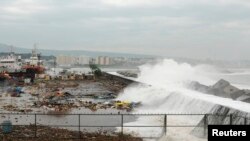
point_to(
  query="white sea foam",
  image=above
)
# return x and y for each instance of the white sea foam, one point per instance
(168, 93)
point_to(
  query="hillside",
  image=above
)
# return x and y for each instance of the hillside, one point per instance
(6, 48)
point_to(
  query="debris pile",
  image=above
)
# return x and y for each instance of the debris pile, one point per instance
(16, 109)
(27, 133)
(113, 85)
(58, 95)
(120, 105)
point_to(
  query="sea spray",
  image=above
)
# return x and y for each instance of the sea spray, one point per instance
(170, 74)
(168, 93)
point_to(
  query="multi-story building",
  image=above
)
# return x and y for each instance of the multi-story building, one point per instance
(82, 60)
(103, 60)
(65, 60)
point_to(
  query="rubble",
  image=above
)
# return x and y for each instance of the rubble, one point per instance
(105, 96)
(16, 109)
(27, 133)
(120, 105)
(61, 95)
(59, 99)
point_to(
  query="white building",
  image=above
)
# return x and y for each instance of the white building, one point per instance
(103, 60)
(82, 60)
(65, 60)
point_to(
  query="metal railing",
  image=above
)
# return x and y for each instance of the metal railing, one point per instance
(95, 122)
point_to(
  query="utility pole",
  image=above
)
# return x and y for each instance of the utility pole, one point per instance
(54, 65)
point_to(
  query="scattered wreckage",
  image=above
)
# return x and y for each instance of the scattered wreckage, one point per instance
(65, 94)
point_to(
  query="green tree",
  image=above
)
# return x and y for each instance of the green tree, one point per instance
(95, 69)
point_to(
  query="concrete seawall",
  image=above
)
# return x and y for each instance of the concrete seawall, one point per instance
(123, 80)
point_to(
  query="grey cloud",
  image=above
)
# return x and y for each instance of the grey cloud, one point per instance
(176, 28)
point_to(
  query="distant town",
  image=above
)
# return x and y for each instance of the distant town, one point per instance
(67, 61)
(64, 60)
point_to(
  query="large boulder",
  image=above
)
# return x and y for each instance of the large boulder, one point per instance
(223, 89)
(221, 84)
(244, 98)
(237, 94)
(199, 87)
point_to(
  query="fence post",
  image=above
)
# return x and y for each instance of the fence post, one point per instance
(165, 124)
(205, 124)
(231, 119)
(79, 126)
(122, 124)
(245, 121)
(35, 127)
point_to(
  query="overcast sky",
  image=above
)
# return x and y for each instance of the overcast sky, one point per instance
(189, 28)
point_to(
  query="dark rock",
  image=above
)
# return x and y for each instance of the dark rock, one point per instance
(199, 87)
(244, 98)
(222, 89)
(237, 94)
(221, 84)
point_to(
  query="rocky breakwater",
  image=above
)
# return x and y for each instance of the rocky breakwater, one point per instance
(223, 89)
(222, 115)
